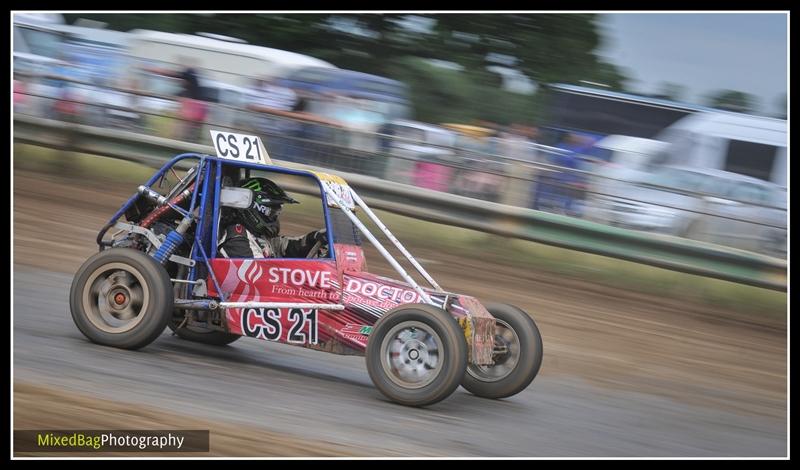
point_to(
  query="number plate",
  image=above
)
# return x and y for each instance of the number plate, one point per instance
(240, 147)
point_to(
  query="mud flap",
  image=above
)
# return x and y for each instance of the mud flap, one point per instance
(478, 326)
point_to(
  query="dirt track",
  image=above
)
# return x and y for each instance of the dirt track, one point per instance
(40, 407)
(614, 339)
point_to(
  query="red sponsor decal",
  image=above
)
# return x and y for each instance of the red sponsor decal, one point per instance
(265, 279)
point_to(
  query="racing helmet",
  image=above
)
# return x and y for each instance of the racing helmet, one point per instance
(261, 217)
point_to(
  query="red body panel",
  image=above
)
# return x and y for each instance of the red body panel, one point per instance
(366, 298)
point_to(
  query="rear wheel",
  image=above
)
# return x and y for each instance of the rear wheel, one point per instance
(121, 297)
(416, 355)
(517, 358)
(201, 335)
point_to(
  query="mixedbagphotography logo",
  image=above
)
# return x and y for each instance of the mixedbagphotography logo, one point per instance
(111, 440)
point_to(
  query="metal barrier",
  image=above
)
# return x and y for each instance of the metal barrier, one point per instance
(521, 175)
(663, 251)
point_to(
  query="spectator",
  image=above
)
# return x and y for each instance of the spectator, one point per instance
(269, 94)
(521, 152)
(274, 103)
(20, 93)
(531, 134)
(133, 118)
(569, 190)
(193, 108)
(67, 105)
(517, 144)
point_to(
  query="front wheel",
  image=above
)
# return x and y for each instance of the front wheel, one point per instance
(121, 297)
(416, 355)
(517, 357)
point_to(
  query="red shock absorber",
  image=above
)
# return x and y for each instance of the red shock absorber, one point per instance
(161, 210)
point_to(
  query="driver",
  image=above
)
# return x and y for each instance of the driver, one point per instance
(254, 232)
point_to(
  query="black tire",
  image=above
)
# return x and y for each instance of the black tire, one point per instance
(489, 382)
(198, 335)
(194, 333)
(117, 283)
(449, 362)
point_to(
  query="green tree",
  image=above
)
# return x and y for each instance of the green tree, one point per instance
(782, 109)
(671, 91)
(547, 48)
(609, 75)
(446, 95)
(437, 94)
(731, 100)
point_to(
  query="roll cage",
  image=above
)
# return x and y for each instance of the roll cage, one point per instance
(203, 184)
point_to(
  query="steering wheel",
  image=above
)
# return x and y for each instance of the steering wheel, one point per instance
(317, 249)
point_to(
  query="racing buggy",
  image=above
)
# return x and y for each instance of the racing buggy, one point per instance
(159, 266)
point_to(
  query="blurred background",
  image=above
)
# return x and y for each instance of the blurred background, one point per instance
(632, 120)
(661, 136)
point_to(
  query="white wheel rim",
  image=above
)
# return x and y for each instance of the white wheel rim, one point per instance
(412, 355)
(115, 298)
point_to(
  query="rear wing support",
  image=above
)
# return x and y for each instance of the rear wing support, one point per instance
(395, 241)
(346, 199)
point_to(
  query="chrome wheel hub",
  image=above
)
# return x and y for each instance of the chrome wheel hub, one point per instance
(411, 354)
(115, 297)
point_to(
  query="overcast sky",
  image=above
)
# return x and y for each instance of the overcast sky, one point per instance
(701, 51)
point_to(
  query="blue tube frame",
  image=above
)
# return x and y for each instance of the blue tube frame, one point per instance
(203, 165)
(215, 215)
(273, 169)
(136, 196)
